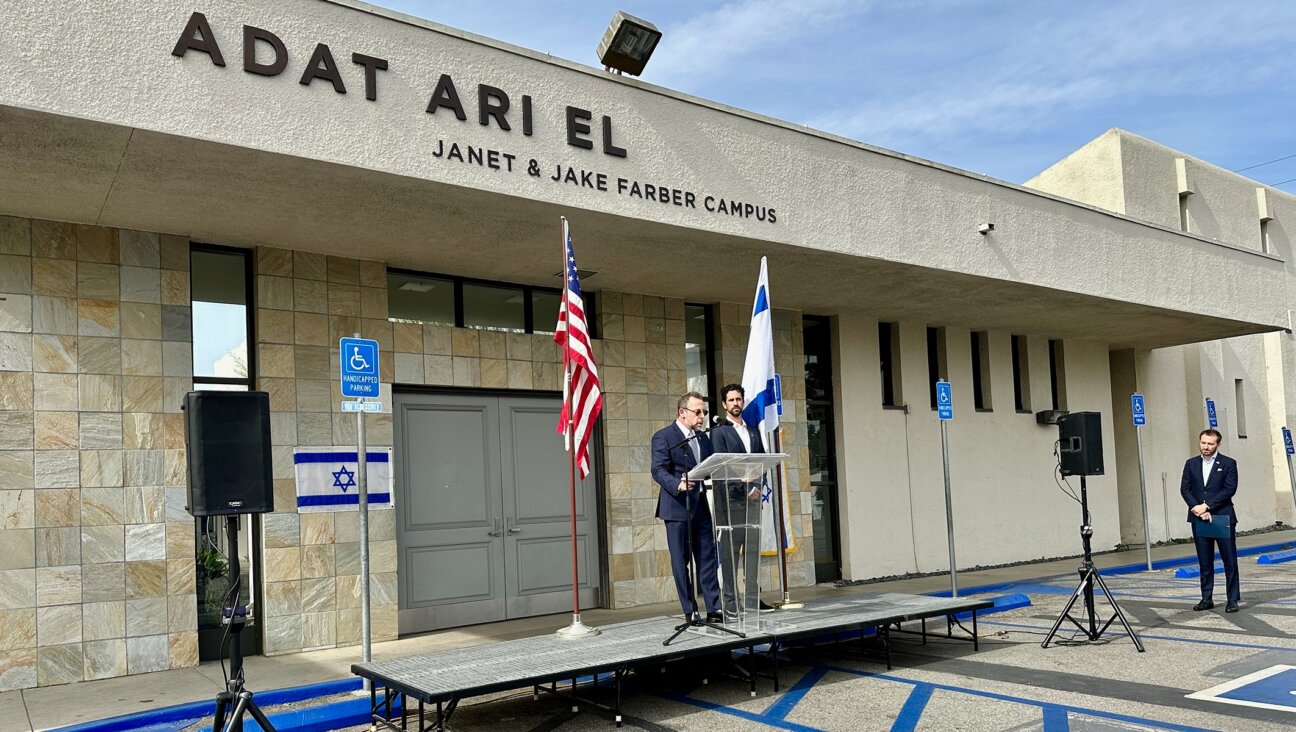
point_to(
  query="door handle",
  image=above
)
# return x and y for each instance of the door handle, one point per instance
(496, 530)
(513, 529)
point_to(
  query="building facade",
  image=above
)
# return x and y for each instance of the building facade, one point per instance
(317, 168)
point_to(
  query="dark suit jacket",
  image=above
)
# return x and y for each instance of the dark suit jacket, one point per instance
(1217, 493)
(725, 438)
(670, 461)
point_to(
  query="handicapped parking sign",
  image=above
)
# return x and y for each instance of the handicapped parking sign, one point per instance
(1138, 409)
(1210, 413)
(944, 401)
(1287, 442)
(359, 360)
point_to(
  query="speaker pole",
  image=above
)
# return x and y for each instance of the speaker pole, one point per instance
(362, 485)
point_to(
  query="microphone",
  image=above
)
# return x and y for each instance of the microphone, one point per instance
(716, 420)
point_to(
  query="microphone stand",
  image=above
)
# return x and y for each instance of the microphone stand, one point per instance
(698, 620)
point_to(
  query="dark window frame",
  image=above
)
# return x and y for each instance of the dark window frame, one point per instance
(831, 441)
(1057, 373)
(249, 288)
(889, 363)
(937, 361)
(591, 314)
(1021, 374)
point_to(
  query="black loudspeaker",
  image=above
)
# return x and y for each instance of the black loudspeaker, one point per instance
(1081, 449)
(227, 439)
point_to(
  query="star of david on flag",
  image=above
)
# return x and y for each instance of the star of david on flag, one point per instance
(328, 478)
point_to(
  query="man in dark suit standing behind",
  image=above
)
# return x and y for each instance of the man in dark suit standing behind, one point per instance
(677, 449)
(738, 503)
(1208, 484)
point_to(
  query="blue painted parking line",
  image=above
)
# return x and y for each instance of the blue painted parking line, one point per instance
(1003, 603)
(912, 711)
(740, 713)
(1187, 572)
(786, 703)
(1270, 688)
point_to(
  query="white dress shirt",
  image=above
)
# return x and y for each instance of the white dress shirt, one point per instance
(1207, 465)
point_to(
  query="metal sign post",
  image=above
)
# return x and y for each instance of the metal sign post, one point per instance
(945, 412)
(360, 378)
(1291, 472)
(1139, 410)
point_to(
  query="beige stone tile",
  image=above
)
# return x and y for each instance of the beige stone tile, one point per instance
(145, 542)
(105, 659)
(181, 576)
(281, 529)
(343, 270)
(16, 391)
(318, 528)
(319, 630)
(16, 430)
(102, 544)
(97, 355)
(17, 548)
(319, 594)
(58, 585)
(175, 287)
(54, 392)
(409, 368)
(99, 393)
(59, 664)
(275, 293)
(145, 579)
(54, 353)
(17, 629)
(55, 430)
(17, 589)
(58, 625)
(281, 565)
(310, 296)
(179, 540)
(141, 284)
(97, 244)
(373, 302)
(344, 300)
(101, 468)
(438, 340)
(183, 648)
(98, 318)
(177, 359)
(173, 426)
(145, 504)
(15, 313)
(283, 634)
(102, 507)
(141, 320)
(314, 395)
(311, 362)
(103, 620)
(146, 616)
(57, 315)
(141, 357)
(16, 274)
(103, 582)
(373, 273)
(272, 261)
(147, 654)
(17, 469)
(98, 281)
(142, 394)
(275, 361)
(58, 507)
(492, 344)
(317, 561)
(465, 342)
(494, 373)
(175, 252)
(139, 248)
(282, 598)
(142, 431)
(53, 239)
(311, 329)
(15, 352)
(173, 393)
(467, 371)
(341, 326)
(309, 266)
(182, 614)
(17, 509)
(101, 431)
(18, 669)
(438, 370)
(54, 277)
(56, 547)
(407, 337)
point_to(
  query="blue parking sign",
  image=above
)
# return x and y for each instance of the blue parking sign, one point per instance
(1210, 413)
(1287, 442)
(359, 360)
(944, 401)
(1138, 409)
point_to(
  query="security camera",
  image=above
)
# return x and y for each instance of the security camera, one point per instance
(984, 229)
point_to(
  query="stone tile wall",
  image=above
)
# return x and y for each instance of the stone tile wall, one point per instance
(96, 549)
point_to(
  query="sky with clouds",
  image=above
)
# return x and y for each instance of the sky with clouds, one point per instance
(1000, 87)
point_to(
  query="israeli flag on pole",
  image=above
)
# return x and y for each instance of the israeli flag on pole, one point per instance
(328, 480)
(760, 387)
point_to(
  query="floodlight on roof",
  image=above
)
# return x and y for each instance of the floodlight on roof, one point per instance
(627, 43)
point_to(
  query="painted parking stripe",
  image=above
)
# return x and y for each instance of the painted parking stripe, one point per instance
(786, 703)
(914, 706)
(1270, 688)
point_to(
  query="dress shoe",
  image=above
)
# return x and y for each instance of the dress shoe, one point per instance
(765, 607)
(1231, 607)
(715, 616)
(1204, 605)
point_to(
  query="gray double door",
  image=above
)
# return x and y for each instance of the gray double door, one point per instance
(484, 511)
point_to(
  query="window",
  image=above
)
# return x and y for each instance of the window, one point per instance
(981, 371)
(220, 279)
(1021, 374)
(1183, 212)
(937, 365)
(821, 441)
(699, 363)
(1266, 245)
(889, 361)
(1057, 374)
(1239, 401)
(416, 297)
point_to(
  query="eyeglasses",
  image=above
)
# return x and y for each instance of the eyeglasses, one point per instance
(698, 412)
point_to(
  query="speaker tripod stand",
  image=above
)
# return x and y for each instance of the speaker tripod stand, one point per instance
(236, 700)
(1089, 577)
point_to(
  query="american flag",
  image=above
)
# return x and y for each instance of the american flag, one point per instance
(582, 398)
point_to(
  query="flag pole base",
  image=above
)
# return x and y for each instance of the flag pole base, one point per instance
(787, 603)
(577, 629)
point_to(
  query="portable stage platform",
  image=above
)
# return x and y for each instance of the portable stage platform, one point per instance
(444, 678)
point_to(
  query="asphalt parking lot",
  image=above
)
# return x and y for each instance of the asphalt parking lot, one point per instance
(1010, 684)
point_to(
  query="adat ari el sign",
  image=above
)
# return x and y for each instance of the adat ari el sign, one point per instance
(265, 54)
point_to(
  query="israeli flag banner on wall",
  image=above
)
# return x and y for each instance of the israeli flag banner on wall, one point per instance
(328, 479)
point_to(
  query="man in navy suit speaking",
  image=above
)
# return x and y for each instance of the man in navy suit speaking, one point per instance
(738, 503)
(1208, 484)
(676, 449)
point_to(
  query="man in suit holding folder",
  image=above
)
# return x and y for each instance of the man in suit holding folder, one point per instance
(1208, 484)
(676, 449)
